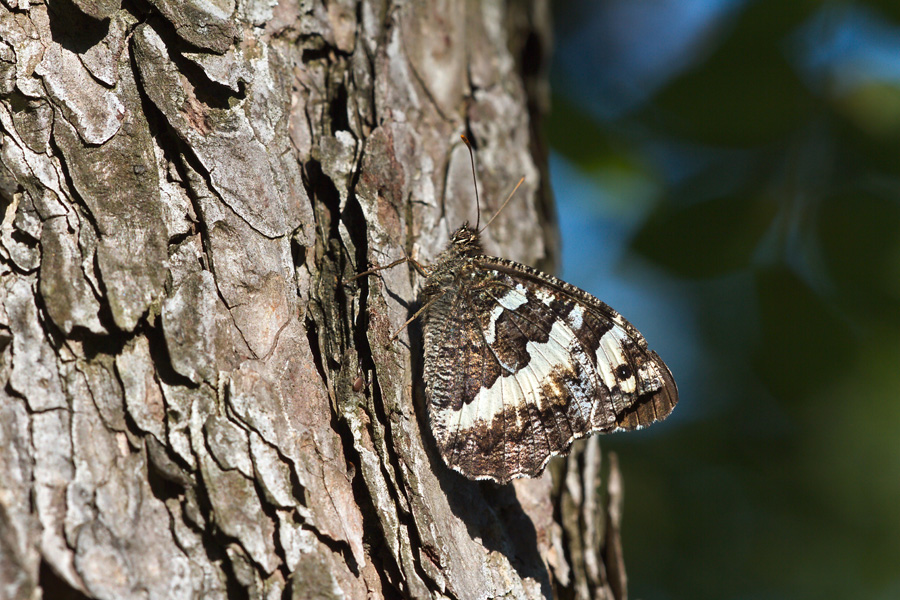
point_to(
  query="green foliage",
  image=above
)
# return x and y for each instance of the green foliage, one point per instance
(745, 92)
(706, 239)
(779, 219)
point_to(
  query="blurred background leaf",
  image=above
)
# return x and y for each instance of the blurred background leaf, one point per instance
(749, 91)
(705, 239)
(728, 176)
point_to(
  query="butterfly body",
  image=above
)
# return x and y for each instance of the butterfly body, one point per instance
(519, 364)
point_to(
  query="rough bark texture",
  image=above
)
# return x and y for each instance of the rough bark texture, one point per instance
(192, 404)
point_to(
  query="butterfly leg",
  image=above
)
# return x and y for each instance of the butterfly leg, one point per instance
(376, 269)
(416, 316)
(422, 269)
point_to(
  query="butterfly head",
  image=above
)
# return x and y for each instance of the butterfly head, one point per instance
(466, 241)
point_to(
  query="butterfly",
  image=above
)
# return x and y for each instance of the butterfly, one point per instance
(519, 364)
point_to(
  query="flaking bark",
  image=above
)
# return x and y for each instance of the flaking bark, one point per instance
(192, 404)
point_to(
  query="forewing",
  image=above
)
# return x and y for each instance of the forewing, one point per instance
(637, 383)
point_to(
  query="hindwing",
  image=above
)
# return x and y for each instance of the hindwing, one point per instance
(519, 364)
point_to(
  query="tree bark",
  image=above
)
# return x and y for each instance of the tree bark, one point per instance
(192, 402)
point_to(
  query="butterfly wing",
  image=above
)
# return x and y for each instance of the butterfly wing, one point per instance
(520, 364)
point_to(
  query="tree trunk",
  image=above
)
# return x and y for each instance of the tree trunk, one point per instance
(192, 402)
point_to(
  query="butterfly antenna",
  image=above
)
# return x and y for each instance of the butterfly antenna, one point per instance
(502, 206)
(474, 180)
